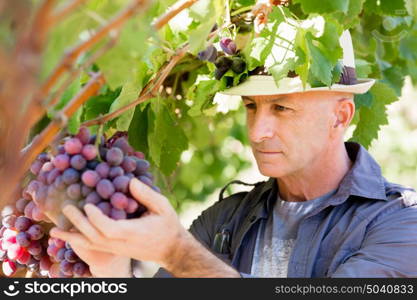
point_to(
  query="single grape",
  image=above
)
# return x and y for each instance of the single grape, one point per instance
(83, 135)
(78, 162)
(70, 176)
(9, 221)
(22, 223)
(61, 162)
(66, 267)
(103, 169)
(9, 267)
(28, 209)
(73, 146)
(146, 180)
(23, 239)
(105, 207)
(228, 46)
(121, 183)
(141, 166)
(24, 258)
(35, 248)
(58, 242)
(85, 190)
(90, 178)
(48, 166)
(36, 167)
(105, 188)
(117, 214)
(52, 250)
(79, 269)
(74, 191)
(119, 200)
(60, 255)
(132, 206)
(35, 232)
(21, 204)
(123, 145)
(71, 256)
(139, 155)
(14, 251)
(93, 198)
(128, 164)
(114, 156)
(37, 214)
(52, 175)
(116, 171)
(89, 152)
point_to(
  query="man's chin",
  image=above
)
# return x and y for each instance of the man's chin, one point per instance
(270, 170)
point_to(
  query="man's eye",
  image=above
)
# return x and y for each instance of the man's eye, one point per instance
(250, 106)
(280, 108)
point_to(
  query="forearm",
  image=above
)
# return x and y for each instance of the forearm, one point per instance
(119, 268)
(192, 259)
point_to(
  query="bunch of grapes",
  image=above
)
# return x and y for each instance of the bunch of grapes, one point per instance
(66, 263)
(78, 171)
(22, 243)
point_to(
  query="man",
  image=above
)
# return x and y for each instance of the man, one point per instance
(326, 210)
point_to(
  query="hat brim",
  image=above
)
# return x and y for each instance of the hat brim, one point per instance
(265, 85)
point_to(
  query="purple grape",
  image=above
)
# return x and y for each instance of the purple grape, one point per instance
(59, 183)
(149, 175)
(210, 54)
(47, 167)
(70, 176)
(59, 243)
(35, 248)
(92, 164)
(103, 169)
(22, 223)
(123, 145)
(35, 232)
(105, 207)
(73, 146)
(119, 200)
(71, 256)
(43, 157)
(93, 198)
(116, 171)
(132, 206)
(228, 46)
(23, 239)
(83, 135)
(130, 175)
(66, 267)
(146, 180)
(74, 191)
(78, 162)
(21, 204)
(9, 221)
(117, 214)
(128, 164)
(61, 149)
(141, 166)
(85, 190)
(121, 183)
(37, 214)
(52, 175)
(114, 156)
(28, 209)
(105, 188)
(36, 167)
(79, 269)
(61, 162)
(90, 178)
(60, 255)
(89, 152)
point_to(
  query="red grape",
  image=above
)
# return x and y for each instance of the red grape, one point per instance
(103, 169)
(70, 176)
(83, 135)
(119, 200)
(105, 188)
(90, 178)
(78, 162)
(121, 183)
(93, 198)
(114, 156)
(89, 152)
(35, 232)
(73, 146)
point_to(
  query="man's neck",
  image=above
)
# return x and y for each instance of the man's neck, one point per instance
(319, 179)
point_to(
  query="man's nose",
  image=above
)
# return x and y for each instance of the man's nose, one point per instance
(262, 128)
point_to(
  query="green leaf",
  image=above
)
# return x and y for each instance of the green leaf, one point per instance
(372, 118)
(204, 92)
(75, 121)
(129, 93)
(166, 139)
(138, 129)
(363, 100)
(100, 104)
(363, 68)
(321, 67)
(323, 6)
(280, 71)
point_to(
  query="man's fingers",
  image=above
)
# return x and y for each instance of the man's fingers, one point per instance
(81, 223)
(107, 227)
(151, 199)
(73, 238)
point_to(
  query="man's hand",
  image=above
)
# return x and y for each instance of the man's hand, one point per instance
(156, 236)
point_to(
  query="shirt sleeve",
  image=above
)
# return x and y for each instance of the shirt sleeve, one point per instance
(388, 249)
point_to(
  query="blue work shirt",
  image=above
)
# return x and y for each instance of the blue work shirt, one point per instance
(368, 228)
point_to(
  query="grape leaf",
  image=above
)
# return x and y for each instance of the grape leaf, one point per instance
(204, 92)
(323, 6)
(372, 118)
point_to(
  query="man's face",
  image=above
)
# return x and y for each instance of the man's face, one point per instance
(289, 132)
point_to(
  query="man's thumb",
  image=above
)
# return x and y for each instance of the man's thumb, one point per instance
(145, 195)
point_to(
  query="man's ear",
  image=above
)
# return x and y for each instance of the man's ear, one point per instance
(344, 111)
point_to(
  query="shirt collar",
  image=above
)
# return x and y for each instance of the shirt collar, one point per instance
(364, 179)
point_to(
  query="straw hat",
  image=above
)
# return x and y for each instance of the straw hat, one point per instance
(265, 84)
